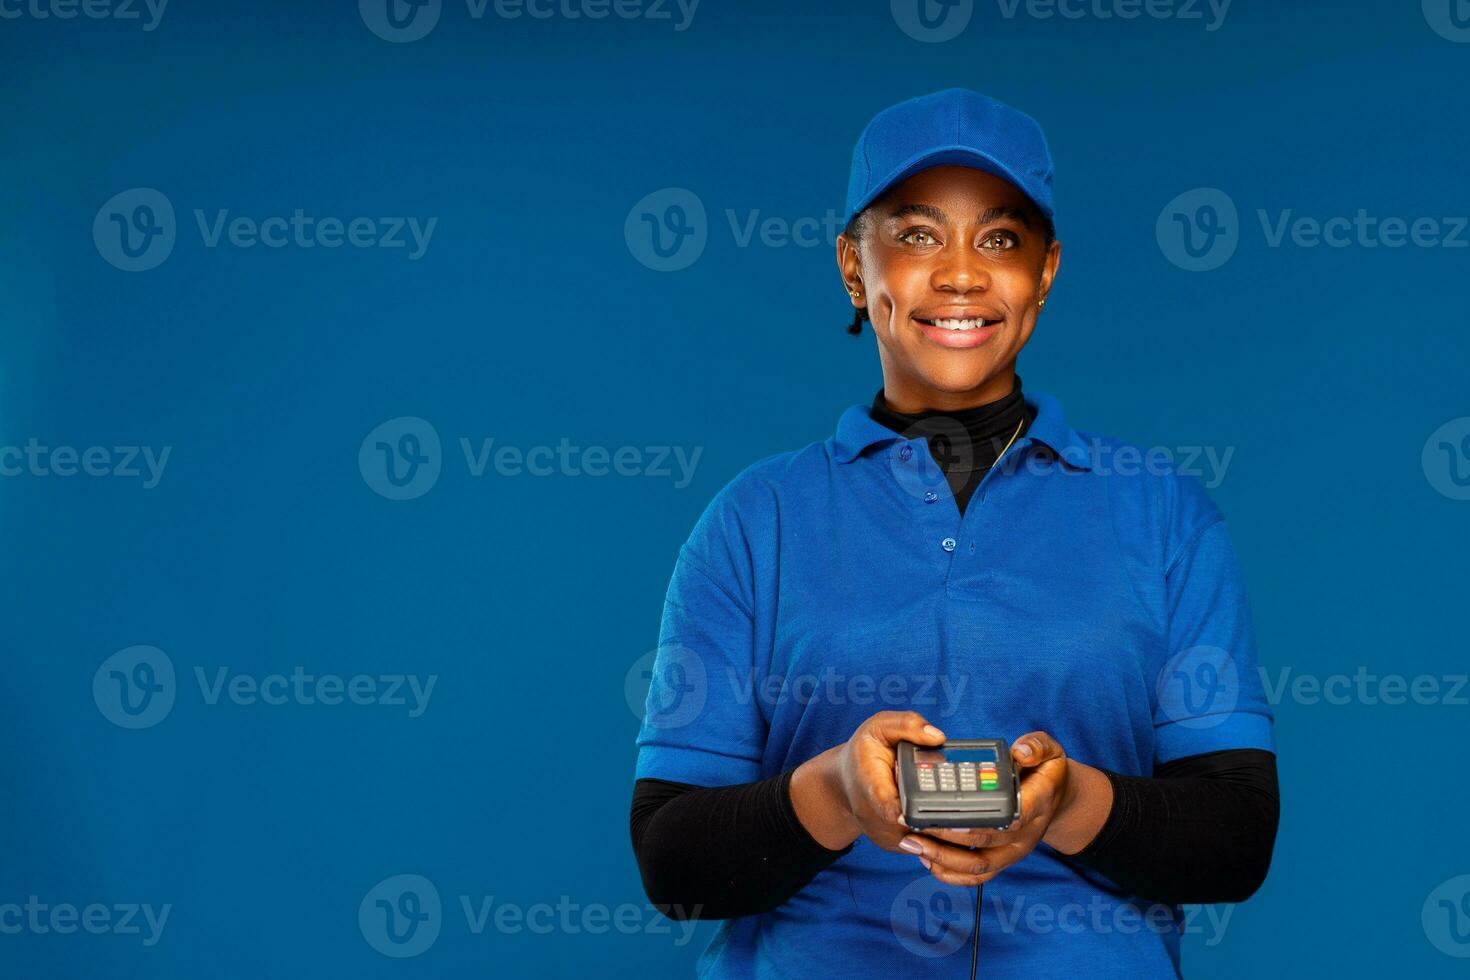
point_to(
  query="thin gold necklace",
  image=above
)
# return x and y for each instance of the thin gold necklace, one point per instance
(1013, 439)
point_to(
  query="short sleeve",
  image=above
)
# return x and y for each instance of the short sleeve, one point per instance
(702, 723)
(1209, 691)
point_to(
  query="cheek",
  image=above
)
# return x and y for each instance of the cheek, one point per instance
(904, 282)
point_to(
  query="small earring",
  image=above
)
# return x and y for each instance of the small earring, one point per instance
(1041, 305)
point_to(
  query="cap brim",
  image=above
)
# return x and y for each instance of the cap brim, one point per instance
(962, 156)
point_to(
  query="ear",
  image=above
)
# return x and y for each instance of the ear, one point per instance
(1049, 268)
(850, 267)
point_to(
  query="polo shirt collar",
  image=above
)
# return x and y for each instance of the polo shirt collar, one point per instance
(857, 432)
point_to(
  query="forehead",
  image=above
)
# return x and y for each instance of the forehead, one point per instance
(955, 190)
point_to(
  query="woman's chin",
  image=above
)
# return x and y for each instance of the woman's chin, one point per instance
(957, 379)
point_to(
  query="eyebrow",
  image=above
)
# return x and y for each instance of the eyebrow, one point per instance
(988, 215)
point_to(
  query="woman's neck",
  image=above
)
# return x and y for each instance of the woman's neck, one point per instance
(909, 400)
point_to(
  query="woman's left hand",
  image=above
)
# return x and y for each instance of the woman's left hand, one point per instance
(970, 857)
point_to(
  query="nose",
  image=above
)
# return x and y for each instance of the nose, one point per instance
(959, 270)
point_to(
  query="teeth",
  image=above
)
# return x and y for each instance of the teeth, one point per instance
(958, 324)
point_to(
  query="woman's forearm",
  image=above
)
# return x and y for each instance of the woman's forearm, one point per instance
(820, 803)
(723, 851)
(1200, 830)
(1084, 809)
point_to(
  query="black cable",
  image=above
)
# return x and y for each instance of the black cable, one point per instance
(975, 939)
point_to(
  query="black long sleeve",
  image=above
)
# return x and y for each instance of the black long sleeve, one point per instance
(1202, 830)
(723, 851)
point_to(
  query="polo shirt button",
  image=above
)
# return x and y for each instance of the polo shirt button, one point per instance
(930, 496)
(905, 453)
(947, 544)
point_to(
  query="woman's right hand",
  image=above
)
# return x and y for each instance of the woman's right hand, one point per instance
(866, 768)
(850, 790)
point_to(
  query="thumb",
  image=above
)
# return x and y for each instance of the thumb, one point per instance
(893, 727)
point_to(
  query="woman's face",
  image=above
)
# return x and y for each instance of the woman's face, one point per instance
(952, 266)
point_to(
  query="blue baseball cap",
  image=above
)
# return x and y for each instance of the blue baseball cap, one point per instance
(955, 126)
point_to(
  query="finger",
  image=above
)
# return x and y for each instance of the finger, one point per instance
(877, 762)
(1034, 748)
(955, 878)
(953, 865)
(971, 837)
(891, 727)
(960, 860)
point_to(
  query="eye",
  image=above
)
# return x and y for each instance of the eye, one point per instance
(1000, 240)
(918, 236)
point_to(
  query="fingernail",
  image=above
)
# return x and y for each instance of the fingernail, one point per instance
(1025, 749)
(925, 862)
(911, 845)
(933, 732)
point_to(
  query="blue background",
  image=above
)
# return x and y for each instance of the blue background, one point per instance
(530, 319)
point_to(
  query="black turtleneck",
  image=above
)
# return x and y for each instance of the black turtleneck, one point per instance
(965, 443)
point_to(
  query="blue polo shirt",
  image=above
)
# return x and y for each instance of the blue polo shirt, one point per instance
(1089, 590)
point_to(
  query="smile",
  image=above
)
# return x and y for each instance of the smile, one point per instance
(959, 328)
(950, 323)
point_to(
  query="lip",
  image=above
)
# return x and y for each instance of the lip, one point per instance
(958, 339)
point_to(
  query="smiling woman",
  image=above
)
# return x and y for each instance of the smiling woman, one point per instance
(949, 259)
(960, 532)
